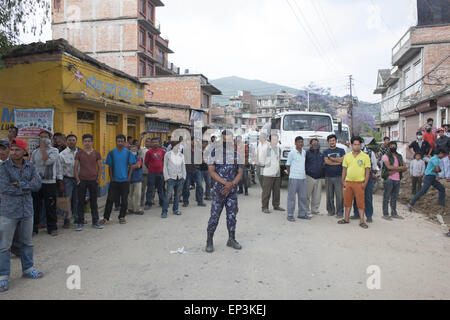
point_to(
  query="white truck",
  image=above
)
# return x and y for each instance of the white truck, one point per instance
(344, 134)
(308, 125)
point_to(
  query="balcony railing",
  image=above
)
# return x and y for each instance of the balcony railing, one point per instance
(404, 40)
(404, 50)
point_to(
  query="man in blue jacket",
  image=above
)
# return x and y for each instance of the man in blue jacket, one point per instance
(313, 167)
(18, 179)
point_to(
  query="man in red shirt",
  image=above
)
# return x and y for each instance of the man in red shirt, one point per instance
(429, 136)
(154, 160)
(430, 123)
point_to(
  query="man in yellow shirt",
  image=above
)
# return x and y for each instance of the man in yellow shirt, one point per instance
(355, 176)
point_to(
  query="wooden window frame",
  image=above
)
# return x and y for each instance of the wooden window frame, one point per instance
(140, 63)
(143, 45)
(115, 121)
(150, 41)
(144, 9)
(150, 69)
(150, 14)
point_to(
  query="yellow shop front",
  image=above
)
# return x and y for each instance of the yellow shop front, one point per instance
(79, 95)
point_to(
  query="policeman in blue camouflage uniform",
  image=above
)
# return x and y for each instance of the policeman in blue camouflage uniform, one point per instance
(226, 170)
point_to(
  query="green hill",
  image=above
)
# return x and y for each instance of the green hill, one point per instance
(231, 85)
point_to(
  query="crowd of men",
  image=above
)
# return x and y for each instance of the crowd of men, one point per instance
(29, 189)
(349, 177)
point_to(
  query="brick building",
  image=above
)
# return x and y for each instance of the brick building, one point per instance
(123, 34)
(191, 90)
(174, 112)
(417, 86)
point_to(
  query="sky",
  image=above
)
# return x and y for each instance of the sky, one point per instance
(324, 41)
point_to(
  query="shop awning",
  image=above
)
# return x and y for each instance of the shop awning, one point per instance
(83, 97)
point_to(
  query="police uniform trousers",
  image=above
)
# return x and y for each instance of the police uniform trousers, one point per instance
(230, 202)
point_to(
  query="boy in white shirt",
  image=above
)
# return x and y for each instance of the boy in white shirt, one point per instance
(417, 170)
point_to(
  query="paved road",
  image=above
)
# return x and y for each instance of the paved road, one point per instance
(315, 259)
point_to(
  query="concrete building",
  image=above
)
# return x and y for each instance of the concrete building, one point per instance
(222, 117)
(245, 116)
(417, 86)
(191, 90)
(123, 34)
(269, 105)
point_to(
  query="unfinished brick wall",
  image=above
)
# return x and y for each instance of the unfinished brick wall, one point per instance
(92, 9)
(176, 90)
(110, 61)
(99, 26)
(82, 38)
(428, 34)
(130, 65)
(177, 115)
(440, 78)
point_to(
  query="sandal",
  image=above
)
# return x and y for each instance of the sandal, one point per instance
(343, 221)
(363, 225)
(4, 286)
(34, 274)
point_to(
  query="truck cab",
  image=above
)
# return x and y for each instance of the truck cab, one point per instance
(308, 125)
(344, 135)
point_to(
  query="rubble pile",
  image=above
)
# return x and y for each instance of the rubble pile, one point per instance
(428, 204)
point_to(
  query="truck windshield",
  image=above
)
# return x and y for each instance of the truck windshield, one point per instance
(306, 122)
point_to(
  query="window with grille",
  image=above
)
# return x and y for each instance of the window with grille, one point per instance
(131, 121)
(112, 119)
(417, 75)
(85, 116)
(408, 78)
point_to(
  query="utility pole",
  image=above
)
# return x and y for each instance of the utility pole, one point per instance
(308, 102)
(350, 108)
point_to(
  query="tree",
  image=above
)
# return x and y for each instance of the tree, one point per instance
(320, 99)
(363, 122)
(27, 16)
(377, 134)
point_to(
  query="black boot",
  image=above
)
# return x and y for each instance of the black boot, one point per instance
(209, 242)
(232, 241)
